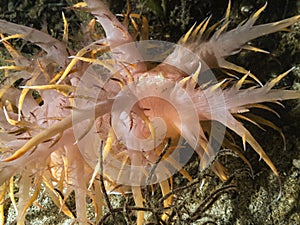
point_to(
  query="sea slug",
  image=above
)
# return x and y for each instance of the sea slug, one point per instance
(72, 117)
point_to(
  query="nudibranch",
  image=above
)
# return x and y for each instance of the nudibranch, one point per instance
(72, 117)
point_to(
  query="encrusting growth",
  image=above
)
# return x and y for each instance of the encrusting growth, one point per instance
(65, 109)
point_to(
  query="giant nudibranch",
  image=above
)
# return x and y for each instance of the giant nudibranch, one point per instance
(65, 110)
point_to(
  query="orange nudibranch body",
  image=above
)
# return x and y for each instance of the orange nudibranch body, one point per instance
(73, 117)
